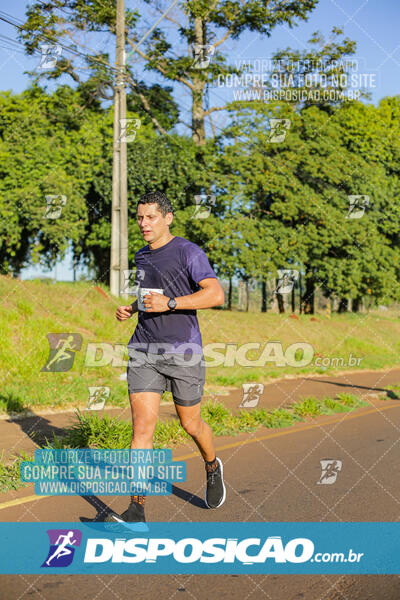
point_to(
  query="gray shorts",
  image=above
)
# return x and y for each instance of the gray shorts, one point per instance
(167, 372)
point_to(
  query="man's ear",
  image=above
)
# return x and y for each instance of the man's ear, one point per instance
(169, 217)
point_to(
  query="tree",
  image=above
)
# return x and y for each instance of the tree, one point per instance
(48, 152)
(299, 189)
(200, 26)
(168, 164)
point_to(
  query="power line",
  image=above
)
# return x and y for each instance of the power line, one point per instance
(20, 25)
(12, 49)
(48, 39)
(8, 39)
(146, 35)
(17, 47)
(67, 12)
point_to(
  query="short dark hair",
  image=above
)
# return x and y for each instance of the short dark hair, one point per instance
(159, 198)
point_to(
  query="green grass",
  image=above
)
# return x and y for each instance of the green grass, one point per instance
(9, 473)
(110, 432)
(308, 407)
(92, 431)
(30, 310)
(393, 392)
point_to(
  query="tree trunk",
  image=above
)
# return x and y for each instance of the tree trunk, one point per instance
(293, 299)
(230, 294)
(263, 296)
(343, 305)
(300, 293)
(356, 306)
(247, 296)
(198, 128)
(281, 305)
(308, 298)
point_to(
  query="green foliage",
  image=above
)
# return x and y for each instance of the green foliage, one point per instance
(79, 307)
(334, 405)
(299, 190)
(11, 402)
(278, 205)
(309, 407)
(105, 432)
(171, 56)
(10, 478)
(349, 400)
(44, 150)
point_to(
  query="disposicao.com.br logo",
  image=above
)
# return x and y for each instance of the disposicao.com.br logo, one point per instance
(200, 547)
(247, 551)
(62, 547)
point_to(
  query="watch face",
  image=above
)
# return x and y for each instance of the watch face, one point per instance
(172, 303)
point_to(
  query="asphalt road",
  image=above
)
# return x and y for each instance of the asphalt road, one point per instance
(270, 476)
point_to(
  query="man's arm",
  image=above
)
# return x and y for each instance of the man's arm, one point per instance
(125, 312)
(210, 295)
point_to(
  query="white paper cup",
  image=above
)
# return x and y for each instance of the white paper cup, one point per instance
(142, 292)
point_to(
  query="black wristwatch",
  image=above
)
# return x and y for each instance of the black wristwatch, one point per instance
(172, 303)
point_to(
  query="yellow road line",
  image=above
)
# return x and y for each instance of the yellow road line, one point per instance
(289, 431)
(269, 436)
(21, 501)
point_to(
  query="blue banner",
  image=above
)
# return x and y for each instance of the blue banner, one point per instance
(214, 548)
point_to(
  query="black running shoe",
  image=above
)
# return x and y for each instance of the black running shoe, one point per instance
(133, 517)
(134, 513)
(215, 491)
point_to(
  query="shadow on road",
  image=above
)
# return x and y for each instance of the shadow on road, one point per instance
(102, 508)
(390, 393)
(38, 429)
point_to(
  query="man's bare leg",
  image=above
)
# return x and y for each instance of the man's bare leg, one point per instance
(198, 429)
(144, 408)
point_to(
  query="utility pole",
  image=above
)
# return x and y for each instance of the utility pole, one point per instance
(119, 211)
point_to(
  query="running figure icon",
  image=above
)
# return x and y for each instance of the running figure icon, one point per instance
(62, 549)
(62, 346)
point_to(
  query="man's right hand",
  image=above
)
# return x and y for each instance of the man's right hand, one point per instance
(124, 312)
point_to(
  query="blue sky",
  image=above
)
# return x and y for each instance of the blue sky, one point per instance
(373, 24)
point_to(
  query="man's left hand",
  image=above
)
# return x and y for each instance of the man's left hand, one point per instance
(155, 302)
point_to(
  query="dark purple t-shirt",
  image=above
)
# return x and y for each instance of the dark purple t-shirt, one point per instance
(176, 268)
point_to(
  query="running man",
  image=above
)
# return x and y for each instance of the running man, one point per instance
(179, 279)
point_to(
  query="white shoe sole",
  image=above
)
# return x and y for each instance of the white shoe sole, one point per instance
(223, 485)
(117, 519)
(132, 525)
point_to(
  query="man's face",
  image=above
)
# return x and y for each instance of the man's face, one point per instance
(151, 223)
